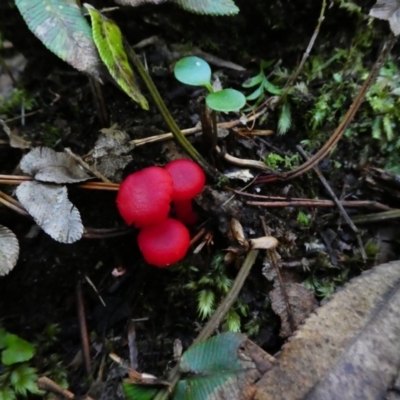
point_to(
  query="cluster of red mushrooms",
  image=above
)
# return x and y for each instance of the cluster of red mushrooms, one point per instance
(144, 200)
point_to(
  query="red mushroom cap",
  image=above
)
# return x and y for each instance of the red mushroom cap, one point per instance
(188, 179)
(144, 197)
(164, 244)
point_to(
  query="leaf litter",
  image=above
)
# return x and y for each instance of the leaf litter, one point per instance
(9, 250)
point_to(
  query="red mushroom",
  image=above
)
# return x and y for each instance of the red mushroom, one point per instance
(144, 197)
(164, 244)
(188, 181)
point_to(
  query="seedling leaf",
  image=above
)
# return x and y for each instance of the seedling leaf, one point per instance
(226, 100)
(109, 42)
(52, 211)
(61, 27)
(193, 71)
(214, 7)
(388, 10)
(255, 80)
(16, 350)
(9, 250)
(47, 165)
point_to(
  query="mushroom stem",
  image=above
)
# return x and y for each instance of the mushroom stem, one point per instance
(184, 211)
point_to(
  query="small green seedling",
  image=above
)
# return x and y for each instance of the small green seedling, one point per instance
(197, 72)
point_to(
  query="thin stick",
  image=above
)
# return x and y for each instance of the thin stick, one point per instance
(337, 202)
(86, 165)
(317, 203)
(83, 328)
(378, 217)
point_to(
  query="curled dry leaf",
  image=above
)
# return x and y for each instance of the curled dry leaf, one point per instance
(16, 141)
(47, 165)
(348, 349)
(9, 250)
(301, 302)
(388, 10)
(238, 233)
(52, 211)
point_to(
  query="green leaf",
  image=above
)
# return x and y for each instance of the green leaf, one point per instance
(17, 350)
(23, 379)
(213, 365)
(109, 42)
(138, 392)
(271, 88)
(226, 100)
(255, 80)
(214, 7)
(206, 300)
(256, 94)
(193, 71)
(61, 27)
(285, 119)
(7, 393)
(233, 321)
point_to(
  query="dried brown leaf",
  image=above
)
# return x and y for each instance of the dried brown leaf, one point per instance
(52, 211)
(9, 250)
(301, 301)
(348, 349)
(46, 165)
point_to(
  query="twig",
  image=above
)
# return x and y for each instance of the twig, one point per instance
(245, 163)
(86, 165)
(317, 203)
(216, 318)
(378, 217)
(336, 136)
(99, 102)
(338, 203)
(47, 384)
(189, 131)
(83, 328)
(15, 205)
(305, 55)
(96, 233)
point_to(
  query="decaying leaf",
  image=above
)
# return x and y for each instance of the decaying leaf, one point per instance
(9, 250)
(47, 165)
(301, 302)
(263, 243)
(242, 174)
(16, 141)
(109, 42)
(52, 211)
(388, 10)
(62, 28)
(238, 233)
(109, 156)
(348, 349)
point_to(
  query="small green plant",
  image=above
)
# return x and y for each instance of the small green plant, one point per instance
(197, 72)
(17, 377)
(303, 219)
(275, 161)
(211, 287)
(15, 101)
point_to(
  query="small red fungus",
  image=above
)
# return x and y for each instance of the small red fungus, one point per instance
(188, 181)
(164, 244)
(144, 197)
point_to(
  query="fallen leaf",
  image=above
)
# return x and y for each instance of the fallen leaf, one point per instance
(301, 302)
(52, 211)
(242, 174)
(9, 250)
(348, 349)
(47, 165)
(388, 10)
